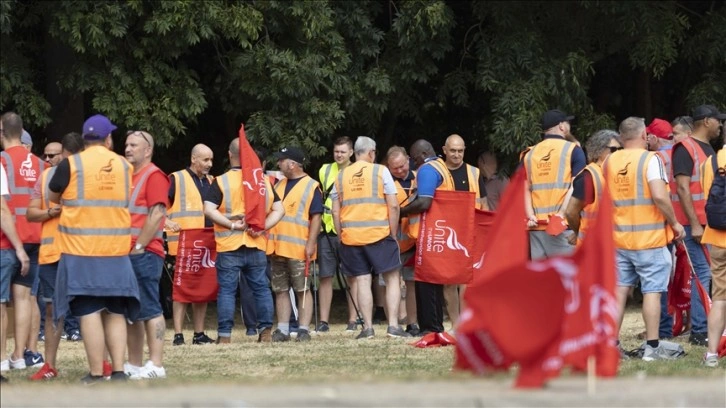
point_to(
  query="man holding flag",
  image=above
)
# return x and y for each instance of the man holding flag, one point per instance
(242, 205)
(637, 183)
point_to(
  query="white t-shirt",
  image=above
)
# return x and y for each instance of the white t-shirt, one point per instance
(655, 170)
(389, 187)
(3, 182)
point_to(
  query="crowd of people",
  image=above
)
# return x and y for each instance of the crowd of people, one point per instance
(83, 209)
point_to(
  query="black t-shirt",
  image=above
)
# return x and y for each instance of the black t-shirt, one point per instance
(582, 188)
(461, 180)
(61, 178)
(682, 161)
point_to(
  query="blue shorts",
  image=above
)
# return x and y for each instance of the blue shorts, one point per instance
(86, 305)
(9, 265)
(30, 279)
(380, 257)
(147, 268)
(652, 267)
(47, 274)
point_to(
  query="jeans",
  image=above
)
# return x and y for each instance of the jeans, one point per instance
(703, 271)
(251, 264)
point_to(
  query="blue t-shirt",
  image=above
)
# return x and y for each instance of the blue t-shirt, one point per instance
(428, 179)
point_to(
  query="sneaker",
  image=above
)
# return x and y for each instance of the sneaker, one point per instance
(352, 326)
(201, 338)
(75, 335)
(366, 334)
(698, 339)
(45, 373)
(265, 335)
(33, 359)
(92, 379)
(251, 332)
(413, 330)
(323, 327)
(41, 337)
(117, 376)
(149, 371)
(396, 331)
(18, 364)
(5, 365)
(107, 370)
(710, 360)
(658, 353)
(624, 355)
(278, 336)
(303, 335)
(64, 336)
(178, 339)
(131, 370)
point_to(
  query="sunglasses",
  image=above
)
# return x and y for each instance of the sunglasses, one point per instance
(140, 133)
(48, 156)
(614, 149)
(684, 121)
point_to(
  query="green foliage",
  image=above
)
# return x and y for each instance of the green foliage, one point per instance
(303, 72)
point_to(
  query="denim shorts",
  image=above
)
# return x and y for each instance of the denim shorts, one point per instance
(47, 274)
(30, 279)
(379, 257)
(147, 268)
(86, 305)
(652, 267)
(288, 272)
(9, 265)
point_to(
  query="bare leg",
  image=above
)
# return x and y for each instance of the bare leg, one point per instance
(353, 286)
(52, 335)
(199, 312)
(284, 308)
(651, 314)
(716, 324)
(364, 298)
(94, 341)
(178, 312)
(393, 296)
(451, 296)
(155, 329)
(114, 326)
(34, 325)
(306, 313)
(21, 296)
(621, 293)
(3, 331)
(135, 342)
(411, 312)
(325, 294)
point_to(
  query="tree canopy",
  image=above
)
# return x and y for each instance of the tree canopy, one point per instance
(305, 72)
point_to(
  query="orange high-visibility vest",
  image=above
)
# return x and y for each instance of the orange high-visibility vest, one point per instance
(699, 200)
(589, 213)
(363, 208)
(550, 176)
(291, 234)
(405, 241)
(49, 252)
(639, 224)
(139, 209)
(95, 220)
(447, 184)
(233, 204)
(187, 209)
(710, 235)
(23, 170)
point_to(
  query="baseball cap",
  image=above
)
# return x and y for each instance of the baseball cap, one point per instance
(97, 127)
(26, 139)
(552, 118)
(660, 128)
(707, 111)
(293, 153)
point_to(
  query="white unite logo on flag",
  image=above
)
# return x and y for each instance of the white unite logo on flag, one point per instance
(201, 255)
(441, 237)
(259, 176)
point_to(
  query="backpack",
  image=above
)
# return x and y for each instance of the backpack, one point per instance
(716, 203)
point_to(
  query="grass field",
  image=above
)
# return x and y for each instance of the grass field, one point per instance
(336, 357)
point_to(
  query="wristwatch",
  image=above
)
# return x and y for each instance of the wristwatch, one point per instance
(139, 247)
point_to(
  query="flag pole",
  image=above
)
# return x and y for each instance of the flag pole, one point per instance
(591, 377)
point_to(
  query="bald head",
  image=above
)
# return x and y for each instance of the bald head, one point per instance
(420, 151)
(234, 152)
(52, 153)
(454, 151)
(201, 160)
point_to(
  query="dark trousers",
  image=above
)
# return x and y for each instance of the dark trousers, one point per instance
(430, 306)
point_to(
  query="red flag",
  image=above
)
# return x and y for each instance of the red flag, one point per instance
(446, 239)
(195, 277)
(254, 182)
(679, 291)
(509, 300)
(483, 221)
(591, 322)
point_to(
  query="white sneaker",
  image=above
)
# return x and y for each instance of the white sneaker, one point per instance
(18, 364)
(5, 365)
(149, 371)
(658, 353)
(131, 370)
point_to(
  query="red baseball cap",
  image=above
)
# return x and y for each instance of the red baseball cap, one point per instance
(660, 128)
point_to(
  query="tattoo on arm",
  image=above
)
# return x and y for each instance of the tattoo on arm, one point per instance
(159, 330)
(157, 208)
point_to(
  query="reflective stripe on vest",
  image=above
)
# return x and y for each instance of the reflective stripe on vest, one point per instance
(548, 188)
(48, 252)
(290, 235)
(363, 209)
(699, 199)
(589, 212)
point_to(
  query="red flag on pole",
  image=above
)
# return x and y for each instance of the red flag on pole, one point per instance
(446, 239)
(195, 275)
(679, 291)
(254, 182)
